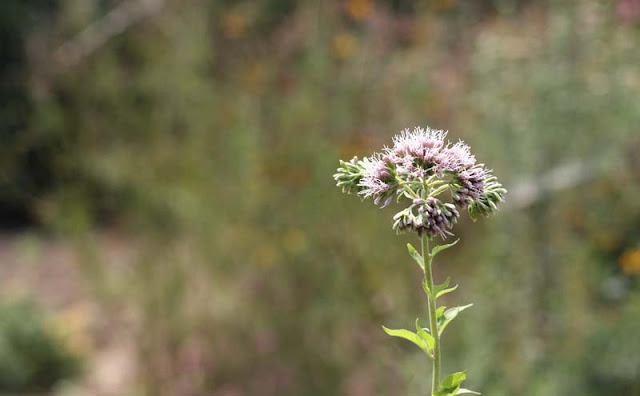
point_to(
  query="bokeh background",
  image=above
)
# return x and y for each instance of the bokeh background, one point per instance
(170, 226)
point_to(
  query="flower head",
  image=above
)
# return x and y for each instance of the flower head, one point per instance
(419, 167)
(348, 175)
(415, 152)
(378, 180)
(456, 158)
(468, 184)
(432, 218)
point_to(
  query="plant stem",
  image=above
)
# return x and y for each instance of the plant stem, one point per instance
(433, 323)
(408, 188)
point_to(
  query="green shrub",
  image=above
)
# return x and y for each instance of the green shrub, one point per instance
(32, 358)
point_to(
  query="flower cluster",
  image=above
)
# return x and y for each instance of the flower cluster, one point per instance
(468, 185)
(433, 218)
(420, 166)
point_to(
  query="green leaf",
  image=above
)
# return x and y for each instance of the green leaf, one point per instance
(455, 391)
(438, 288)
(448, 316)
(416, 256)
(439, 248)
(463, 391)
(453, 380)
(428, 338)
(409, 336)
(439, 313)
(450, 385)
(445, 291)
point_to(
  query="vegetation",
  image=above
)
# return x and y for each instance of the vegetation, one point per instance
(33, 357)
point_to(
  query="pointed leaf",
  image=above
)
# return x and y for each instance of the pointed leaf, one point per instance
(416, 256)
(445, 291)
(453, 392)
(453, 380)
(439, 288)
(439, 248)
(445, 392)
(428, 338)
(440, 313)
(409, 336)
(463, 391)
(448, 316)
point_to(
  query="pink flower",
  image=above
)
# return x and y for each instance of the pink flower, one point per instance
(420, 166)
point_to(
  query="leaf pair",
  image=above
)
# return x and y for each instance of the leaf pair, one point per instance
(422, 338)
(436, 249)
(450, 386)
(438, 290)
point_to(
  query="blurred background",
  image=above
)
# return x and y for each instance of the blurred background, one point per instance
(169, 224)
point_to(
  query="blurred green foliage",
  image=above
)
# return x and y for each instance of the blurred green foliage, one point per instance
(32, 356)
(207, 134)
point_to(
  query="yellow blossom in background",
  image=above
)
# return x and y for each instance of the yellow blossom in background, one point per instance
(359, 9)
(630, 262)
(233, 25)
(344, 44)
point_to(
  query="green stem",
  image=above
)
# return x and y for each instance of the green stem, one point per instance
(438, 190)
(433, 323)
(409, 189)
